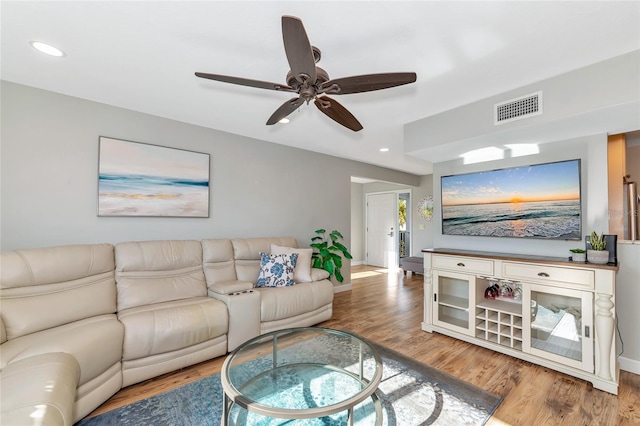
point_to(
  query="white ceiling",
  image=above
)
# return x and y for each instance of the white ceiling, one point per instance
(142, 56)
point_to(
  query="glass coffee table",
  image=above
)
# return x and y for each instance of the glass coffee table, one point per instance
(312, 375)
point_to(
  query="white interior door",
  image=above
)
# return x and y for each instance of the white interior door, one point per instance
(382, 219)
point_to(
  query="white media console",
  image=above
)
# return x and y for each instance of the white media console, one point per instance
(545, 310)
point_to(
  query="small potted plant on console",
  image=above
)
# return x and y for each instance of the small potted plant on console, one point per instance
(578, 255)
(597, 254)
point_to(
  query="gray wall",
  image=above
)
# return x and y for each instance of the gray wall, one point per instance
(49, 174)
(357, 223)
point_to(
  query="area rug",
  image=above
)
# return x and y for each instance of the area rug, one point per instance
(411, 393)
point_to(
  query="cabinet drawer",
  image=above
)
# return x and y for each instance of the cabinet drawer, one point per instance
(576, 278)
(463, 264)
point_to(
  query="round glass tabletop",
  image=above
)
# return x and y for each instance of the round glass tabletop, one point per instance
(301, 373)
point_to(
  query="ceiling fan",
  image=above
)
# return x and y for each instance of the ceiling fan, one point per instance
(311, 82)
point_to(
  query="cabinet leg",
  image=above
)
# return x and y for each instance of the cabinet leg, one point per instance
(605, 325)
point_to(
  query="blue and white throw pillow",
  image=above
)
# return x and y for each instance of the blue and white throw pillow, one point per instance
(276, 270)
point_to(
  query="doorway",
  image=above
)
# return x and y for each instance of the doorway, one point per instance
(381, 230)
(387, 236)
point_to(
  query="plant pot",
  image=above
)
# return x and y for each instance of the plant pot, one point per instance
(599, 257)
(579, 257)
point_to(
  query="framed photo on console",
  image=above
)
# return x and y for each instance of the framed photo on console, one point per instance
(138, 179)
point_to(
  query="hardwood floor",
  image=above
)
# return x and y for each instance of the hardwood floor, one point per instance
(387, 308)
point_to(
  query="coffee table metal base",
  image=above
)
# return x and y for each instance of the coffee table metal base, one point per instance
(277, 376)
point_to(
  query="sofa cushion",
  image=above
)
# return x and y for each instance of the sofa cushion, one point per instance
(276, 270)
(150, 272)
(318, 274)
(50, 265)
(218, 262)
(302, 271)
(286, 302)
(169, 326)
(77, 280)
(96, 343)
(39, 390)
(246, 252)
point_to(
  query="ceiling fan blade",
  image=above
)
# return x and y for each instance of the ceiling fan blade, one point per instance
(366, 83)
(247, 82)
(298, 49)
(332, 109)
(285, 109)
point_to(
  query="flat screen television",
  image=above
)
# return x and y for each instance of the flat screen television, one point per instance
(535, 201)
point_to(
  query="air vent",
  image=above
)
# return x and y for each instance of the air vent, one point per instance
(518, 108)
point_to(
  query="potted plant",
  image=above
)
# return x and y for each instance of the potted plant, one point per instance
(597, 254)
(329, 256)
(578, 255)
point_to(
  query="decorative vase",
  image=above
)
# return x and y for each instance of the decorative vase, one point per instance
(579, 257)
(599, 257)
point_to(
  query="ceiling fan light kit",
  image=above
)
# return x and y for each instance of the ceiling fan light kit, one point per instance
(312, 83)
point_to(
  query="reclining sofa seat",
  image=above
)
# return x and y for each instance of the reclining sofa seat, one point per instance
(169, 320)
(61, 340)
(231, 270)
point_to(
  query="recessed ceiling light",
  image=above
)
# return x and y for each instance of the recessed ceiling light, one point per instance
(384, 149)
(284, 121)
(47, 49)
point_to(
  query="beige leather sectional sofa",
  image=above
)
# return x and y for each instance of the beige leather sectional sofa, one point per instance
(78, 323)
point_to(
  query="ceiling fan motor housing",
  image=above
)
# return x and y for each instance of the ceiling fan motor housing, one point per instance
(321, 77)
(307, 91)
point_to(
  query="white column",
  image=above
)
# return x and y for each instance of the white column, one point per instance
(605, 326)
(428, 294)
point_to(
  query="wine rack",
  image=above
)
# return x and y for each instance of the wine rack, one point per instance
(500, 322)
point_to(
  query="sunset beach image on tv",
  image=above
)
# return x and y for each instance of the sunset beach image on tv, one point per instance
(536, 201)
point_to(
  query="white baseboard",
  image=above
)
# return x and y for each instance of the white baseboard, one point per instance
(357, 262)
(342, 287)
(630, 365)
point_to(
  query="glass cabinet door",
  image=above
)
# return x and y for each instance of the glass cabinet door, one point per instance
(559, 326)
(453, 300)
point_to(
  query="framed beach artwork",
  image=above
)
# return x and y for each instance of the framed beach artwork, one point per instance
(138, 179)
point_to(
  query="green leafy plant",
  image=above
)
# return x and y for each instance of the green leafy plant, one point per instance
(578, 250)
(402, 213)
(597, 243)
(328, 252)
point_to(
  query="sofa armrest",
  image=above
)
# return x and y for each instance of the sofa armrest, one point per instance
(229, 287)
(42, 384)
(244, 316)
(318, 274)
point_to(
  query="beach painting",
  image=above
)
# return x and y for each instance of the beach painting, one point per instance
(538, 201)
(137, 179)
